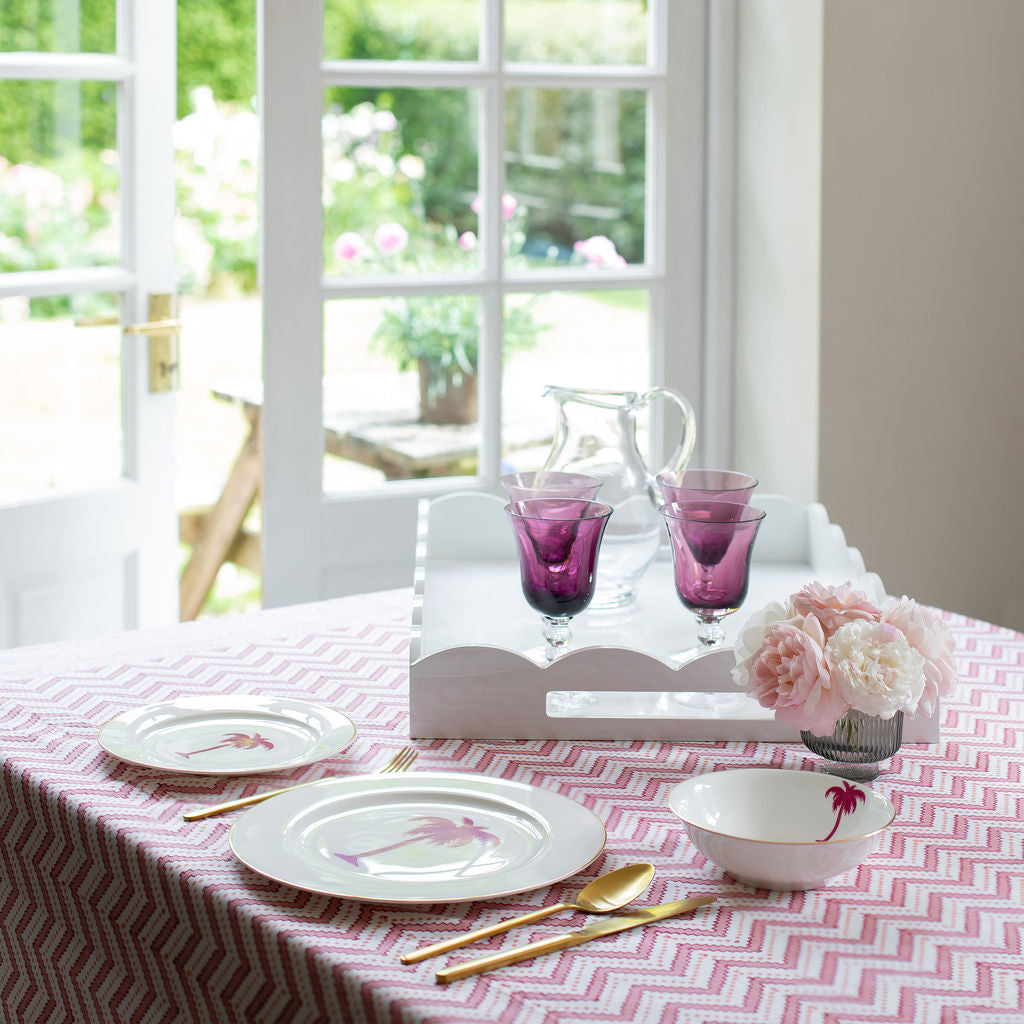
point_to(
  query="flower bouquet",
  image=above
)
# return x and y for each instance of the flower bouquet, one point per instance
(829, 660)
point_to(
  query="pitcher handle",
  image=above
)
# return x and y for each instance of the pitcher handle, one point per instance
(681, 456)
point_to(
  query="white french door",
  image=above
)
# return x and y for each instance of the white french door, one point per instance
(88, 528)
(588, 144)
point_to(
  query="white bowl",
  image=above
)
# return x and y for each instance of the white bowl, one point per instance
(774, 828)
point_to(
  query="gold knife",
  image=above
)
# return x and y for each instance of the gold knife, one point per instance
(592, 931)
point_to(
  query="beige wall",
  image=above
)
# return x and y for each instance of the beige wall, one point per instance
(920, 446)
(922, 296)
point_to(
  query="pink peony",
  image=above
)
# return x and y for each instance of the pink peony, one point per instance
(599, 251)
(788, 675)
(875, 668)
(391, 238)
(930, 636)
(834, 606)
(349, 246)
(829, 649)
(467, 241)
(509, 205)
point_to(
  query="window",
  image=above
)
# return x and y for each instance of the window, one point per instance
(496, 196)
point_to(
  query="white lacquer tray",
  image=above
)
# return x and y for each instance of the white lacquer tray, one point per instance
(470, 676)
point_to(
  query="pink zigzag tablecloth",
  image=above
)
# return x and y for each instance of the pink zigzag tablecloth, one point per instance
(113, 908)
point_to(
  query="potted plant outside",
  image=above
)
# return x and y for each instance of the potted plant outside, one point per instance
(438, 335)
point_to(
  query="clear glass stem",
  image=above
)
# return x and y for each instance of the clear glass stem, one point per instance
(709, 630)
(557, 636)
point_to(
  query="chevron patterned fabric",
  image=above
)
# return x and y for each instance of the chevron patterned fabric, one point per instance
(114, 909)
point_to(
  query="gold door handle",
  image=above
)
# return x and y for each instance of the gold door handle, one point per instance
(161, 329)
(170, 325)
(165, 326)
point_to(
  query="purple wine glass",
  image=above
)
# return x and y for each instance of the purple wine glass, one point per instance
(707, 485)
(712, 542)
(559, 540)
(547, 483)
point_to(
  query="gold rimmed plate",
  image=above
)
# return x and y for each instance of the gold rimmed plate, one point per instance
(227, 735)
(426, 837)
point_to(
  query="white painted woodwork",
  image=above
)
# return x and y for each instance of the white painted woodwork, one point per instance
(103, 560)
(475, 670)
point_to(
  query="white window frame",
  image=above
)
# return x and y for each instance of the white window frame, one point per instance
(686, 271)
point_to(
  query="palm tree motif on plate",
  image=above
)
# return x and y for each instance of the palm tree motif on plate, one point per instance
(434, 832)
(844, 801)
(238, 740)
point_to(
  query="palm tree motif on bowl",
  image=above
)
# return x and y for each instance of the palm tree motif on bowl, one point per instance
(238, 740)
(434, 832)
(844, 801)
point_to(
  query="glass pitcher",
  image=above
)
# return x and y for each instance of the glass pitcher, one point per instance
(596, 434)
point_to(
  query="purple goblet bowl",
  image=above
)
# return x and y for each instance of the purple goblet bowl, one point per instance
(712, 542)
(559, 540)
(548, 483)
(707, 484)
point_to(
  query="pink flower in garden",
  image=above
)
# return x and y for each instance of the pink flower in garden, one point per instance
(509, 205)
(788, 675)
(834, 606)
(467, 241)
(383, 121)
(349, 246)
(391, 238)
(599, 252)
(16, 179)
(930, 636)
(80, 195)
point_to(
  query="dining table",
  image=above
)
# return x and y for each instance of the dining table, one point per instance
(115, 908)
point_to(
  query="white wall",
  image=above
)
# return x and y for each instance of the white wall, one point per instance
(920, 293)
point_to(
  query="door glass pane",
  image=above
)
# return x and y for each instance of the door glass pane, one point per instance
(401, 29)
(58, 26)
(577, 31)
(575, 164)
(60, 394)
(59, 175)
(588, 339)
(400, 389)
(400, 181)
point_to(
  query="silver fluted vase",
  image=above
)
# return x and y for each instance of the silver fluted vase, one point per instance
(858, 743)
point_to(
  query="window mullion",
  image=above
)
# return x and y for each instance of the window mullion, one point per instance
(492, 183)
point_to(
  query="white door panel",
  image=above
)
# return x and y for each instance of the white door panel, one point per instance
(104, 558)
(79, 582)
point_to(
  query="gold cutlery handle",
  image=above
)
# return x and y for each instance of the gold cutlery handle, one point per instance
(402, 761)
(481, 933)
(513, 956)
(234, 805)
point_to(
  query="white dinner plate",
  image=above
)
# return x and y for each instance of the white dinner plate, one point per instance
(426, 837)
(227, 735)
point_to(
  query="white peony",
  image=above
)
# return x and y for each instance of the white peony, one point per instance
(877, 670)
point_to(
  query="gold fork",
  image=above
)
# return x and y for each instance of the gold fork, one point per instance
(399, 763)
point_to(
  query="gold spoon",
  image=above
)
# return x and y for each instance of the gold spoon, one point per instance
(603, 895)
